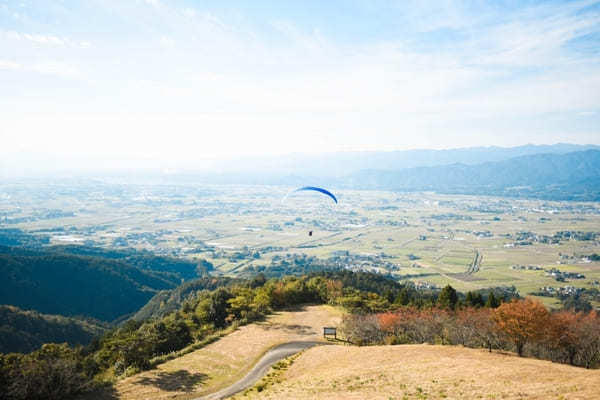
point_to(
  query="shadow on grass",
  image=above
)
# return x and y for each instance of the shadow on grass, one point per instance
(105, 391)
(290, 328)
(338, 340)
(176, 381)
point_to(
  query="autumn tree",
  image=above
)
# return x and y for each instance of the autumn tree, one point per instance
(485, 330)
(588, 332)
(334, 290)
(361, 329)
(524, 321)
(562, 335)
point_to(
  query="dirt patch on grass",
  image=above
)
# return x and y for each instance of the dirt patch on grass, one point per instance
(228, 359)
(426, 372)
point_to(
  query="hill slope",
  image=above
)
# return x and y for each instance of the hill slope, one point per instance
(425, 372)
(58, 283)
(227, 360)
(24, 331)
(167, 301)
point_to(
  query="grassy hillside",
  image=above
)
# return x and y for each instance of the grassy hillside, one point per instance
(24, 331)
(423, 372)
(60, 283)
(224, 362)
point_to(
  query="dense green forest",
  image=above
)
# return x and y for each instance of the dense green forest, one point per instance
(167, 301)
(25, 331)
(16, 237)
(179, 269)
(53, 281)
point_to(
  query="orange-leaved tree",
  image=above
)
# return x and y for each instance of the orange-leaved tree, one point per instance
(563, 336)
(523, 321)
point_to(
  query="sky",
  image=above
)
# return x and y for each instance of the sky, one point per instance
(189, 81)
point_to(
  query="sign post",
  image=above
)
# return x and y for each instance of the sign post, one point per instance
(328, 331)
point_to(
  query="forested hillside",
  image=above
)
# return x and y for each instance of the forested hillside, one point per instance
(167, 301)
(176, 269)
(25, 331)
(54, 282)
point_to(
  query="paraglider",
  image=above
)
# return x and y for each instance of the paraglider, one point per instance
(315, 189)
(318, 189)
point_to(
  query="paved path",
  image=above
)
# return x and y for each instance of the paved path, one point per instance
(260, 369)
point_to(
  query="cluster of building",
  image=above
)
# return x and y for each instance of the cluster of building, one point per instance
(562, 276)
(561, 291)
(424, 285)
(527, 267)
(525, 238)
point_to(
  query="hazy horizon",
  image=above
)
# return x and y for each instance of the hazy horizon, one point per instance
(301, 164)
(181, 84)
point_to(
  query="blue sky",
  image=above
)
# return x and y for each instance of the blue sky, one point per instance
(187, 81)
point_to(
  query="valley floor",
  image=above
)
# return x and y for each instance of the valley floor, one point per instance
(425, 372)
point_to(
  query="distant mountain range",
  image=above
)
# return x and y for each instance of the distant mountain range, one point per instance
(570, 176)
(554, 172)
(328, 165)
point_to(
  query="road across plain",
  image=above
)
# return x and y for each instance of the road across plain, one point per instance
(260, 369)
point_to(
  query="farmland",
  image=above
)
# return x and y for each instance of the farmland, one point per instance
(470, 242)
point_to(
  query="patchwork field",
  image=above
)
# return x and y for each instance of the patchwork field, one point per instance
(427, 238)
(224, 362)
(424, 372)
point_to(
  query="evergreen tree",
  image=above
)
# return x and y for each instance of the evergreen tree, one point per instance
(218, 307)
(448, 297)
(469, 299)
(492, 301)
(478, 300)
(403, 297)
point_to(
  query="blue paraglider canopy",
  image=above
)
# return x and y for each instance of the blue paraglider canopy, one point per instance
(317, 189)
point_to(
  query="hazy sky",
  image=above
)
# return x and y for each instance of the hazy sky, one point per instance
(189, 80)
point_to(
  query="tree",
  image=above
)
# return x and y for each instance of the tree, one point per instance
(217, 311)
(588, 333)
(469, 299)
(53, 372)
(448, 298)
(562, 334)
(478, 300)
(576, 303)
(485, 329)
(403, 297)
(523, 321)
(258, 281)
(492, 301)
(361, 329)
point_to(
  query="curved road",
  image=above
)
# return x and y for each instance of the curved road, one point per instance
(271, 357)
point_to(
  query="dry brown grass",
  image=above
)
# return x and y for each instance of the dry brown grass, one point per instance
(426, 372)
(225, 361)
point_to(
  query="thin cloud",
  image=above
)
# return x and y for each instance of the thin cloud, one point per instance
(9, 65)
(229, 81)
